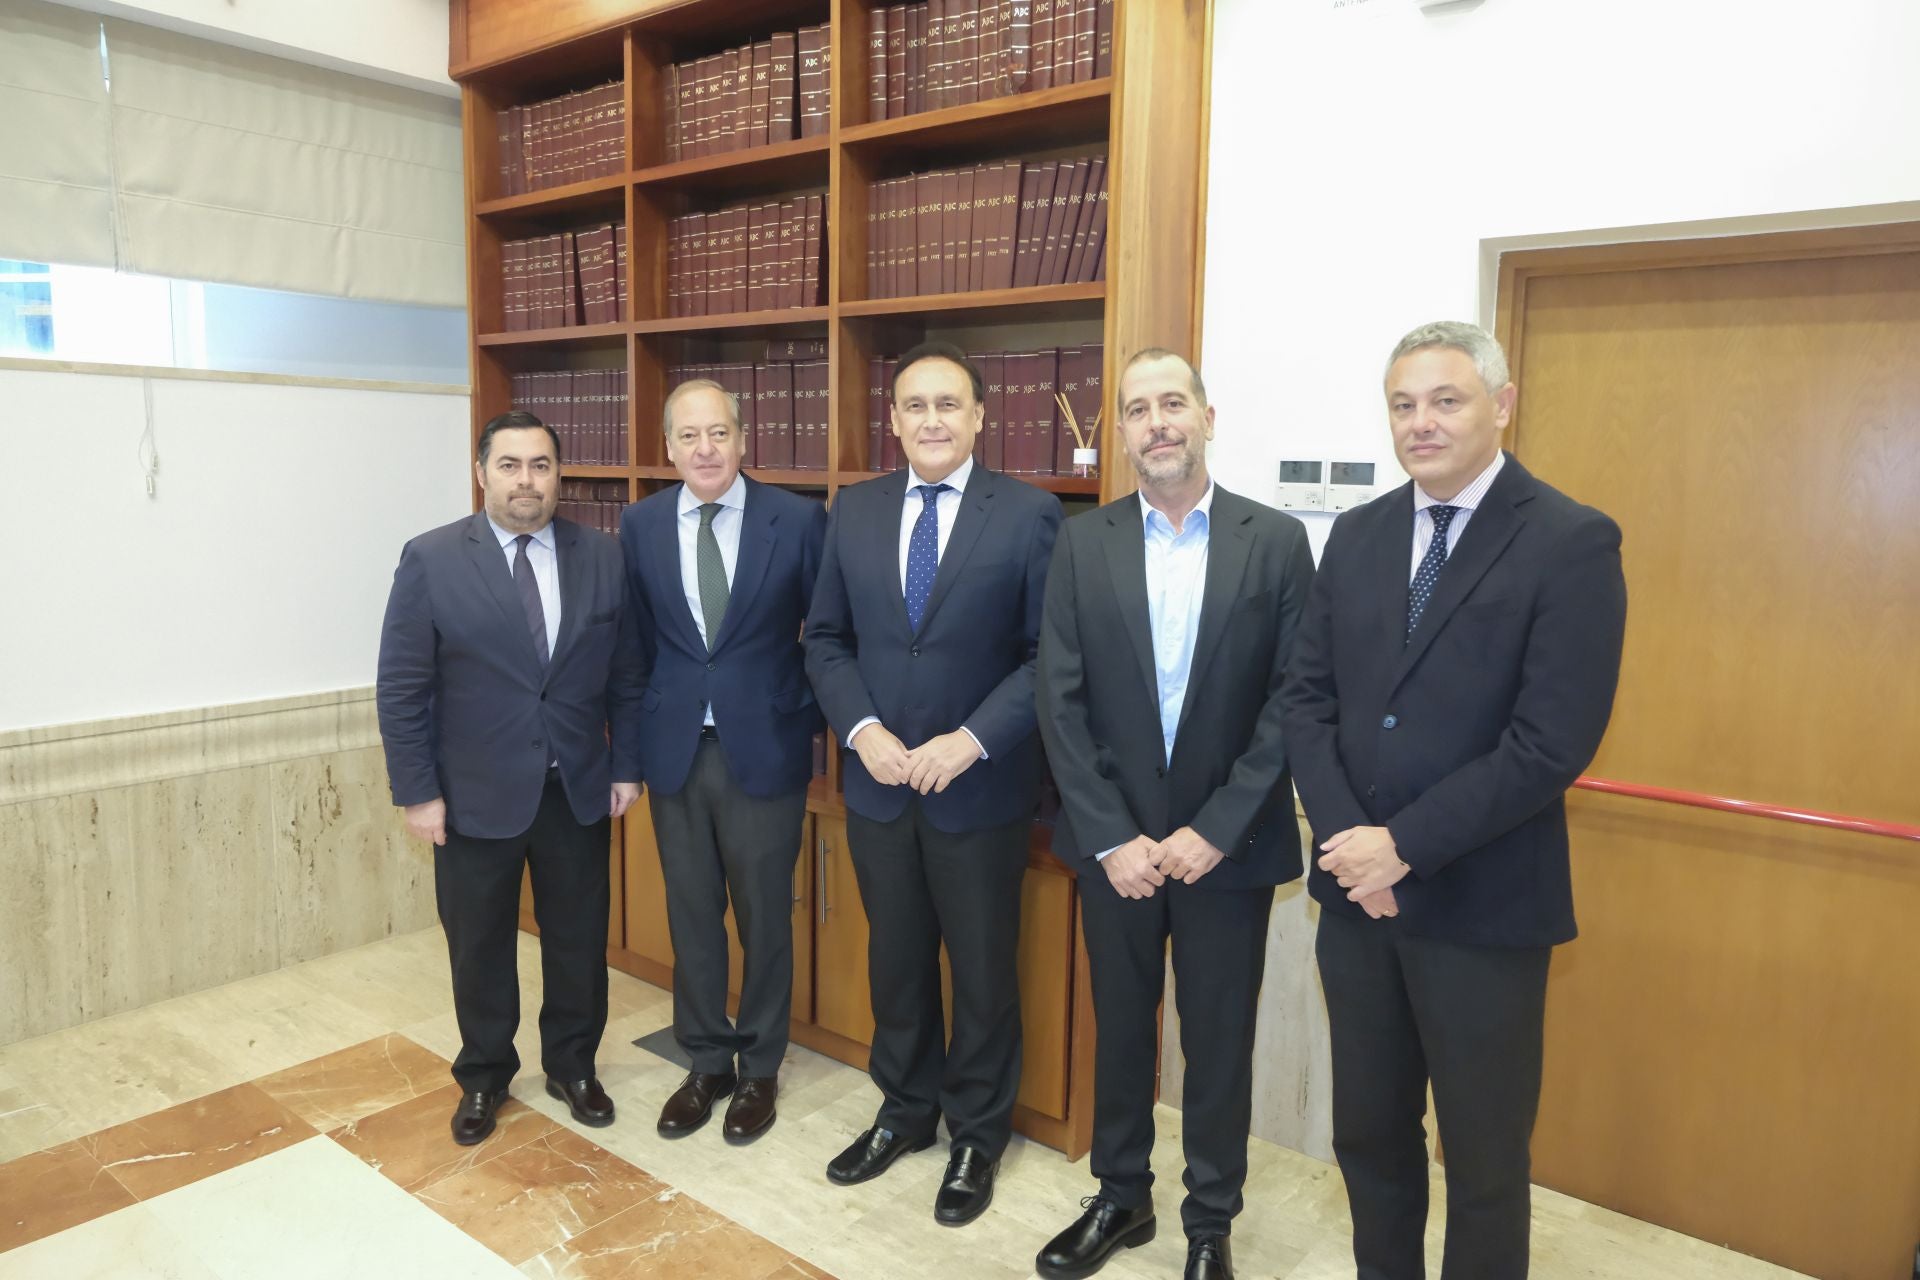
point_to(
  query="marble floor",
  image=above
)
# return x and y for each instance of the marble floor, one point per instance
(293, 1125)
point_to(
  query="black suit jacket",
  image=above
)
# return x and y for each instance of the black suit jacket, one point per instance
(971, 665)
(1100, 702)
(1463, 742)
(467, 714)
(755, 679)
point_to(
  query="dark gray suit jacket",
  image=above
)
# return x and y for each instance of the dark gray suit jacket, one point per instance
(1100, 702)
(467, 714)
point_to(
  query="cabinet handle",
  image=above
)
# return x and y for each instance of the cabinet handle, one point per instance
(820, 877)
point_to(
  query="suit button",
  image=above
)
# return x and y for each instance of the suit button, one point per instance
(713, 666)
(538, 743)
(1159, 771)
(543, 695)
(1390, 722)
(915, 651)
(1369, 793)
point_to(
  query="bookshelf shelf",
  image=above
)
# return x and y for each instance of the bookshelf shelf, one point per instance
(742, 324)
(802, 162)
(1068, 114)
(570, 472)
(989, 306)
(596, 196)
(579, 335)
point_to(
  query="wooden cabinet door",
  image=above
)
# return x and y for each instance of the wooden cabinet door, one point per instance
(645, 888)
(840, 1000)
(1046, 990)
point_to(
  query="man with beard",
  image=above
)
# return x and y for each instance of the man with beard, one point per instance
(505, 658)
(1168, 621)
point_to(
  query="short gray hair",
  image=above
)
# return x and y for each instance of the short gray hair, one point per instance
(688, 388)
(1455, 335)
(1146, 354)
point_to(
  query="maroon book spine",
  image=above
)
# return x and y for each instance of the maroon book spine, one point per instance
(962, 251)
(917, 58)
(1000, 263)
(1016, 46)
(1064, 40)
(762, 98)
(1093, 263)
(670, 114)
(623, 303)
(1081, 216)
(791, 349)
(720, 101)
(948, 191)
(1086, 18)
(757, 257)
(504, 151)
(1069, 190)
(963, 65)
(986, 68)
(677, 267)
(813, 280)
(926, 232)
(897, 61)
(993, 371)
(1047, 413)
(889, 442)
(693, 287)
(936, 55)
(777, 436)
(876, 413)
(686, 76)
(817, 442)
(1036, 196)
(1103, 38)
(510, 286)
(782, 124)
(875, 194)
(813, 81)
(877, 64)
(1041, 56)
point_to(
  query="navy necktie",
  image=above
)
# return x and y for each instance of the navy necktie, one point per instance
(923, 552)
(1430, 565)
(530, 597)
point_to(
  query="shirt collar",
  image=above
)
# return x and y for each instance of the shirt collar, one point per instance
(543, 536)
(735, 496)
(1202, 508)
(957, 481)
(1468, 498)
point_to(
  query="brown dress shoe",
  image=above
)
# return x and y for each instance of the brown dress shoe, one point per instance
(750, 1114)
(473, 1118)
(585, 1098)
(692, 1102)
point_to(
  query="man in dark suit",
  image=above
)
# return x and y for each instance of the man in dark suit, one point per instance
(721, 570)
(1454, 674)
(920, 644)
(1168, 620)
(505, 658)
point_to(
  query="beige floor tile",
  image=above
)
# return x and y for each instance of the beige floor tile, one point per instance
(127, 1244)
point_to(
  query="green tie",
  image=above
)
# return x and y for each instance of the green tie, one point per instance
(712, 573)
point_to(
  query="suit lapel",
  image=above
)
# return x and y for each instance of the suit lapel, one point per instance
(483, 549)
(573, 587)
(1229, 547)
(968, 524)
(1493, 526)
(1126, 546)
(750, 564)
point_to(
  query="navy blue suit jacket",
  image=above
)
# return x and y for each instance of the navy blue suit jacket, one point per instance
(467, 714)
(755, 678)
(971, 665)
(1464, 742)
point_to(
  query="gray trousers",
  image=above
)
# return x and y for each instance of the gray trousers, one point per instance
(717, 843)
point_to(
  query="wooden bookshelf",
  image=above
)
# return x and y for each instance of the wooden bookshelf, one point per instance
(1149, 118)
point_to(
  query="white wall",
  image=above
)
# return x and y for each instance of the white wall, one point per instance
(1364, 152)
(260, 569)
(402, 42)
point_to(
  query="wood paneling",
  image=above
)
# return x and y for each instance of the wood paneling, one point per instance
(840, 1000)
(1731, 1041)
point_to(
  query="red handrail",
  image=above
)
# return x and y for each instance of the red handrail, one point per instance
(1779, 813)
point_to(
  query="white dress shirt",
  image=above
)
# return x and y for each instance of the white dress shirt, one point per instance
(544, 555)
(726, 531)
(1463, 504)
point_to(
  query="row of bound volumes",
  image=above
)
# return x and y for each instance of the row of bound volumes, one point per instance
(588, 407)
(572, 138)
(949, 53)
(1010, 224)
(1025, 431)
(565, 279)
(783, 409)
(596, 504)
(758, 257)
(774, 90)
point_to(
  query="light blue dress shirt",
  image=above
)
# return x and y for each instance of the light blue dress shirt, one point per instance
(1176, 588)
(726, 531)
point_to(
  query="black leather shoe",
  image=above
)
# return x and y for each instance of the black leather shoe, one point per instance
(967, 1189)
(1209, 1258)
(870, 1155)
(473, 1118)
(751, 1112)
(1103, 1230)
(587, 1100)
(692, 1102)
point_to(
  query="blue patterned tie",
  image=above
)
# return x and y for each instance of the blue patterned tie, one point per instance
(1430, 566)
(923, 552)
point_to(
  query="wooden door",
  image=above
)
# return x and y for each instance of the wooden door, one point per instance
(1733, 1040)
(646, 888)
(841, 1003)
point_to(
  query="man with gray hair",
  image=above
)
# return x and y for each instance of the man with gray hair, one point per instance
(1453, 675)
(721, 572)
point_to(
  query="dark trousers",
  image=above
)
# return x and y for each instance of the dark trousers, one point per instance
(477, 884)
(719, 843)
(1404, 1010)
(919, 886)
(1219, 951)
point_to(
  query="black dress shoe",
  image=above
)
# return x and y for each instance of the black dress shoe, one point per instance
(967, 1189)
(751, 1112)
(1103, 1230)
(692, 1102)
(587, 1100)
(1209, 1258)
(473, 1118)
(870, 1155)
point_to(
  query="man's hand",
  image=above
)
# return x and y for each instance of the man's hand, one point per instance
(427, 820)
(624, 794)
(884, 755)
(938, 761)
(1380, 904)
(1186, 856)
(1133, 868)
(1364, 861)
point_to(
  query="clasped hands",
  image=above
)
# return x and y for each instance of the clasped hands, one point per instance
(929, 767)
(1143, 864)
(1365, 862)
